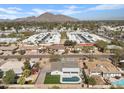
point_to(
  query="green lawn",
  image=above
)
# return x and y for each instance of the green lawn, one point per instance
(52, 79)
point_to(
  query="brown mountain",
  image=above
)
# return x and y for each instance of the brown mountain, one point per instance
(48, 17)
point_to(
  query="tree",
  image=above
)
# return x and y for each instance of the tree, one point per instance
(91, 81)
(70, 43)
(21, 52)
(119, 54)
(21, 80)
(1, 73)
(117, 42)
(101, 45)
(36, 65)
(27, 65)
(9, 77)
(26, 73)
(13, 51)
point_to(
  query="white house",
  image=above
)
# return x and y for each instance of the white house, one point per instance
(105, 69)
(16, 66)
(68, 70)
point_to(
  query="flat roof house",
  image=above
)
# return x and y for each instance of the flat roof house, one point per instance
(14, 65)
(69, 71)
(105, 69)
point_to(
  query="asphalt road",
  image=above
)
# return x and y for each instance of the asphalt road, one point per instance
(65, 56)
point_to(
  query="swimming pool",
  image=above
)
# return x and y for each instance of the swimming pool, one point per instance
(119, 82)
(70, 79)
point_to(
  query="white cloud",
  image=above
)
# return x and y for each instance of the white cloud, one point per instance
(37, 11)
(107, 7)
(72, 7)
(10, 10)
(67, 11)
(15, 8)
(5, 16)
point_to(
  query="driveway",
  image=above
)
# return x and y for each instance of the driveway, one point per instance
(42, 74)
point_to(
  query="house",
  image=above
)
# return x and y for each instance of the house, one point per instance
(8, 40)
(16, 66)
(121, 64)
(68, 70)
(68, 67)
(105, 69)
(113, 47)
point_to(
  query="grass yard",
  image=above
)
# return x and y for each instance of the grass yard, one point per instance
(52, 79)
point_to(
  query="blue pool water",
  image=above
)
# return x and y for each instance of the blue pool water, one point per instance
(119, 83)
(70, 79)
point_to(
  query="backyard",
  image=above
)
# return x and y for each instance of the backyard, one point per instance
(52, 79)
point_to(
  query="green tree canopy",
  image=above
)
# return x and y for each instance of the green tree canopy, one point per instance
(9, 77)
(21, 52)
(118, 43)
(27, 65)
(69, 43)
(119, 54)
(1, 73)
(101, 45)
(26, 73)
(21, 80)
(91, 80)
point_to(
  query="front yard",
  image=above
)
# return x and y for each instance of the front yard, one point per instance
(52, 79)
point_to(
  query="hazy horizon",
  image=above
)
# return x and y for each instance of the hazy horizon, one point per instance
(79, 11)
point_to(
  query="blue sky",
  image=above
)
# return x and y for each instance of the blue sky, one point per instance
(80, 11)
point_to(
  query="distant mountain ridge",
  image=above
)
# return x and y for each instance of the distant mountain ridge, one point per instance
(46, 17)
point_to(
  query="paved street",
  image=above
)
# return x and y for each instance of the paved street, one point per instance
(65, 56)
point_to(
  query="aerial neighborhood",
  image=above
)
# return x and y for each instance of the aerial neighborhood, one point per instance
(49, 53)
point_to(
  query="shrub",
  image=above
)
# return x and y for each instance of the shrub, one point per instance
(21, 52)
(21, 80)
(26, 73)
(1, 73)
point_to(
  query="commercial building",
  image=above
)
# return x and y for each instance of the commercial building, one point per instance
(84, 37)
(44, 38)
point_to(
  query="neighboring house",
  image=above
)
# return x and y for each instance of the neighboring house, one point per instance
(16, 66)
(121, 64)
(113, 47)
(105, 69)
(69, 71)
(8, 40)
